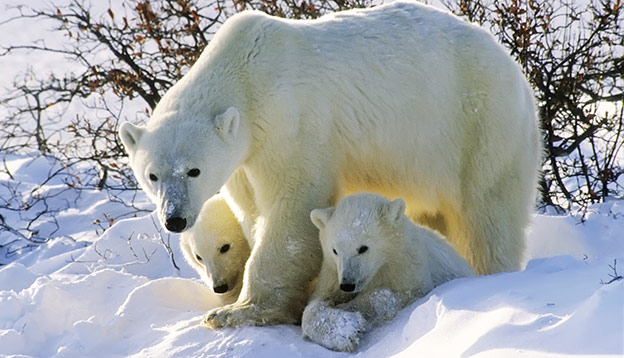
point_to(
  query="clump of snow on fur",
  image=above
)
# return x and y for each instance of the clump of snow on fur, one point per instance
(334, 328)
(360, 219)
(179, 171)
(176, 194)
(292, 245)
(386, 305)
(357, 228)
(169, 209)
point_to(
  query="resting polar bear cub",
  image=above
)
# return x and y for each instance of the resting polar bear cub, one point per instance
(376, 261)
(217, 248)
(402, 99)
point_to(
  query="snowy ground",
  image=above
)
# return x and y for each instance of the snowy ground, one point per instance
(119, 295)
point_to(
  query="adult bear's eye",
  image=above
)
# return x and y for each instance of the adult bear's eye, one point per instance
(224, 248)
(198, 257)
(362, 249)
(193, 173)
(153, 177)
(335, 252)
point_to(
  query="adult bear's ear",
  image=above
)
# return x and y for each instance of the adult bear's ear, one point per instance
(130, 136)
(320, 217)
(395, 209)
(227, 123)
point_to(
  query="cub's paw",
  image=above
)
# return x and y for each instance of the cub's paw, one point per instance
(334, 328)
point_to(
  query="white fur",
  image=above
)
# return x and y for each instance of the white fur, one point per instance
(203, 247)
(402, 99)
(401, 262)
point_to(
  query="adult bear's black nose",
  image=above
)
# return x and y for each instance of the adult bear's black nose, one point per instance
(175, 224)
(221, 289)
(347, 287)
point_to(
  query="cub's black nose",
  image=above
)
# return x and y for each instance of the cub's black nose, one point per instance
(221, 289)
(347, 287)
(175, 224)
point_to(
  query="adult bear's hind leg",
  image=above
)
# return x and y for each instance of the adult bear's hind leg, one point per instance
(489, 231)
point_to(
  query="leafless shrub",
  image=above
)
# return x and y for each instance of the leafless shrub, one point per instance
(573, 55)
(613, 276)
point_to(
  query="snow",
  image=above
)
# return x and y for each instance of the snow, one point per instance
(118, 294)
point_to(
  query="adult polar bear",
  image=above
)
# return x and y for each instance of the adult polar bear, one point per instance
(287, 116)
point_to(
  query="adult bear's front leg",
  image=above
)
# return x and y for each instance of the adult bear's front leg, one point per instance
(284, 261)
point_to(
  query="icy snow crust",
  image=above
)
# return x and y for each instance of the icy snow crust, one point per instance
(119, 295)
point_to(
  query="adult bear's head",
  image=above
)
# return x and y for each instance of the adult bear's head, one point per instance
(181, 162)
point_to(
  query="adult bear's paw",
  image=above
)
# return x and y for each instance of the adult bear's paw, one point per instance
(246, 314)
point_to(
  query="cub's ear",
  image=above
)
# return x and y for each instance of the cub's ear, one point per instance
(130, 136)
(227, 123)
(395, 209)
(320, 217)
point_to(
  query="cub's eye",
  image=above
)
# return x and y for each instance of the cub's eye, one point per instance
(153, 177)
(224, 248)
(362, 249)
(198, 258)
(193, 173)
(335, 252)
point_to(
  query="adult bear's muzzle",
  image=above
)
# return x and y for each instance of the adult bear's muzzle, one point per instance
(175, 224)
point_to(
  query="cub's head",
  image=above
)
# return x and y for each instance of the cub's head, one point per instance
(355, 234)
(181, 162)
(216, 247)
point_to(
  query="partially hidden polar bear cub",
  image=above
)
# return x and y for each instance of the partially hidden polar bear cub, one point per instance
(375, 262)
(217, 248)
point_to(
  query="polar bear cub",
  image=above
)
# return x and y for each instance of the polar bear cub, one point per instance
(375, 262)
(217, 248)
